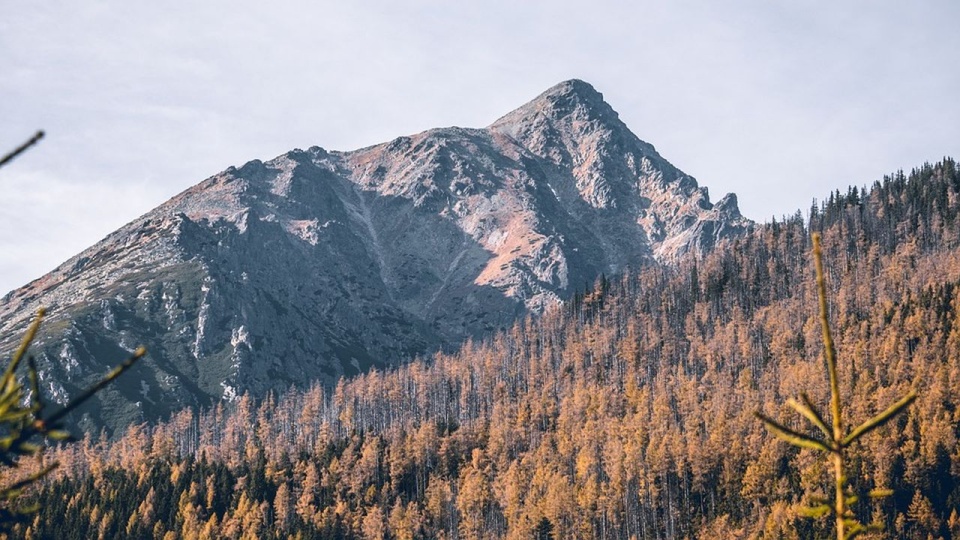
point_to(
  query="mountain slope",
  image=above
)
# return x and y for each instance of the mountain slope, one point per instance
(318, 264)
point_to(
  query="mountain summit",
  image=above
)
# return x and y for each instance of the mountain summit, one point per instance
(567, 102)
(319, 264)
(586, 145)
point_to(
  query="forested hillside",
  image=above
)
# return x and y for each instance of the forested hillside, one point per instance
(628, 413)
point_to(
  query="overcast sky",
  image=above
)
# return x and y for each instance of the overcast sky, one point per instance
(779, 101)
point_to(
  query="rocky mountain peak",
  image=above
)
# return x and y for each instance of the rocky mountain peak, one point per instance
(571, 108)
(318, 264)
(569, 102)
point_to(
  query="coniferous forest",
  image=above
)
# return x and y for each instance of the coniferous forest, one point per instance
(626, 413)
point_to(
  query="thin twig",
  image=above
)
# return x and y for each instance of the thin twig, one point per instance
(22, 148)
(89, 392)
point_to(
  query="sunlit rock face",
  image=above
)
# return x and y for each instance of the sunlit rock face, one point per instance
(319, 264)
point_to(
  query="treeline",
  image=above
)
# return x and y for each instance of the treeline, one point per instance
(627, 413)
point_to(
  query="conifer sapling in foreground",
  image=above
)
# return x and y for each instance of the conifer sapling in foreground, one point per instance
(22, 418)
(23, 421)
(834, 442)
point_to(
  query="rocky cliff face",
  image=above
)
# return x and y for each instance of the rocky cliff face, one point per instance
(318, 264)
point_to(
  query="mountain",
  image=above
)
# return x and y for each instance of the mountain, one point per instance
(319, 264)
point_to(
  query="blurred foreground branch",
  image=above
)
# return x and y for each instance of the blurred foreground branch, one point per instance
(23, 422)
(22, 148)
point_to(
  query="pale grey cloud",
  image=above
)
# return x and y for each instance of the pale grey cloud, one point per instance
(778, 101)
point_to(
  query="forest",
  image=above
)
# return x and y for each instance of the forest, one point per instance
(627, 412)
